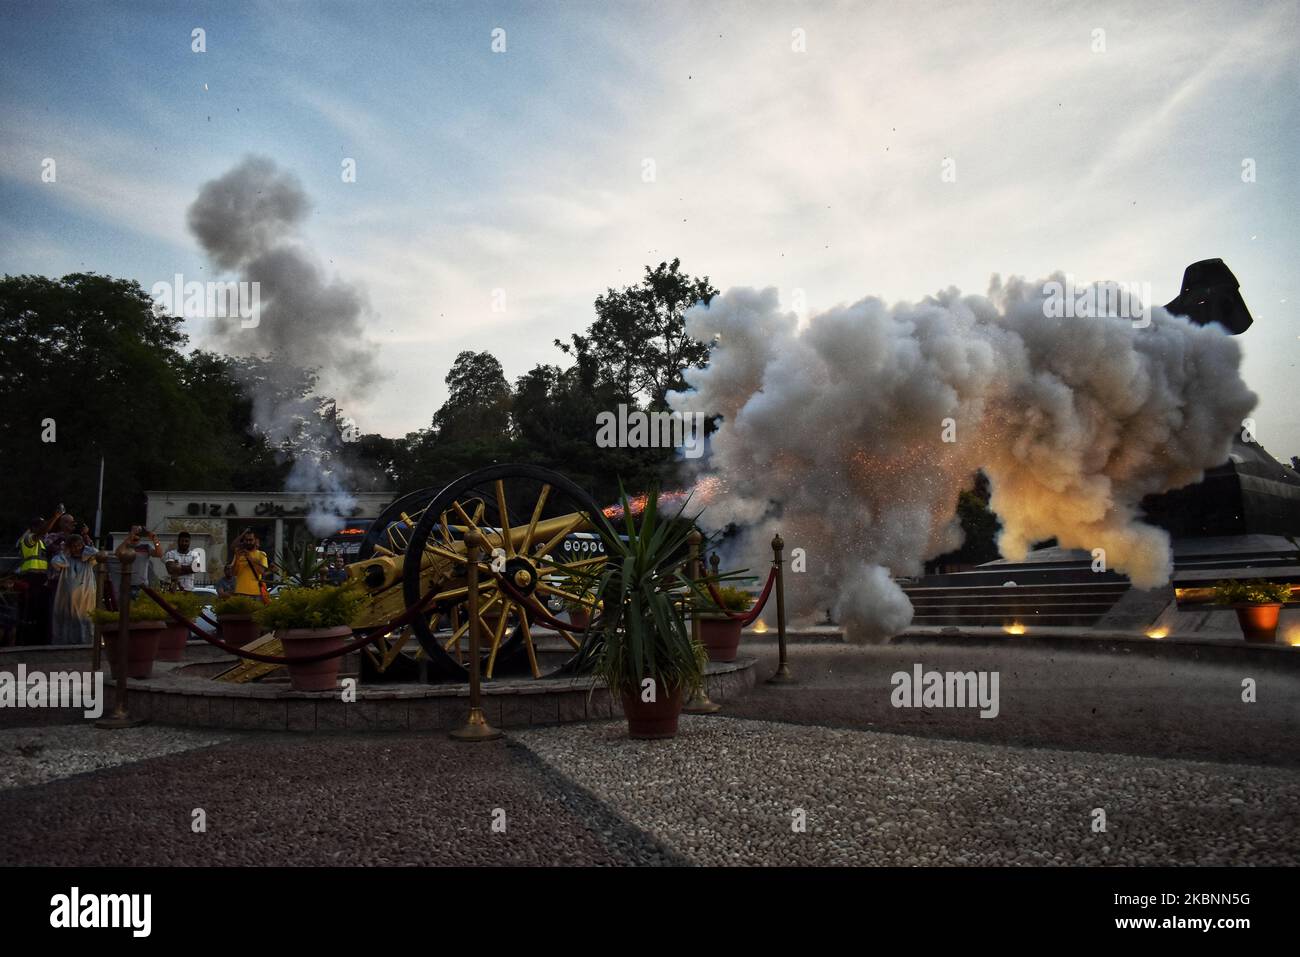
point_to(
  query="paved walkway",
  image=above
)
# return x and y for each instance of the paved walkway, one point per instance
(1074, 733)
(1081, 701)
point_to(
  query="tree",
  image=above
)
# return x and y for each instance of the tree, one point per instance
(979, 526)
(638, 342)
(246, 461)
(89, 369)
(478, 401)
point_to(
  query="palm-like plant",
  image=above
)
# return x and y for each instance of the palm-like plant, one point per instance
(642, 590)
(302, 568)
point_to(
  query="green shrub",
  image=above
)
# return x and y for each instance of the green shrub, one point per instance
(186, 602)
(143, 608)
(586, 602)
(237, 605)
(735, 599)
(1251, 592)
(323, 607)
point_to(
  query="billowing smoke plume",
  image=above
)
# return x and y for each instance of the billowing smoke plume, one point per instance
(835, 433)
(247, 221)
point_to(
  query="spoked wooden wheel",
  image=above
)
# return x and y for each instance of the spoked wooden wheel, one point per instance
(388, 537)
(390, 533)
(539, 532)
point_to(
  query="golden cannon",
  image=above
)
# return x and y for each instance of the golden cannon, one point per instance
(540, 542)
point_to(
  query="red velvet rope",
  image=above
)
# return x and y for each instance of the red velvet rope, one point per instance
(369, 638)
(752, 615)
(539, 612)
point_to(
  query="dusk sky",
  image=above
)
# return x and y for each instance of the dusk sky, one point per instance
(796, 145)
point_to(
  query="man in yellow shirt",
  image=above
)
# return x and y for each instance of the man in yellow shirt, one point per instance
(249, 565)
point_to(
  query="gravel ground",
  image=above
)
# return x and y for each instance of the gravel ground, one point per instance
(36, 755)
(1079, 701)
(724, 792)
(1076, 731)
(320, 800)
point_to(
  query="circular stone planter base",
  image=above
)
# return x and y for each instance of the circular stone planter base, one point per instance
(185, 694)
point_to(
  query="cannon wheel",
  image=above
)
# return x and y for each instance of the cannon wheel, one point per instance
(389, 533)
(526, 495)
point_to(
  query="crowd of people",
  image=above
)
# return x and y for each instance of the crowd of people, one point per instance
(56, 581)
(57, 587)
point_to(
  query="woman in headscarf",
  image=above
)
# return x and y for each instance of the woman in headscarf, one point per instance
(74, 598)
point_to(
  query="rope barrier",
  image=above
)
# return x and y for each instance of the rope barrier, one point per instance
(539, 612)
(752, 615)
(369, 638)
(529, 602)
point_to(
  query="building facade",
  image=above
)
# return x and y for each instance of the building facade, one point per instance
(215, 519)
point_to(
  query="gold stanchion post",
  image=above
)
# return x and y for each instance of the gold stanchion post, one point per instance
(97, 637)
(699, 703)
(476, 727)
(121, 717)
(782, 675)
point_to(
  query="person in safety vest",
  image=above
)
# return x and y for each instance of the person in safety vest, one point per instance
(33, 574)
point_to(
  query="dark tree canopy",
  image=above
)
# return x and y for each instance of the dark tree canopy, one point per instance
(88, 357)
(478, 400)
(91, 355)
(638, 342)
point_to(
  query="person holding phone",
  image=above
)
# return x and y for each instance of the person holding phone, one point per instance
(182, 562)
(56, 543)
(144, 551)
(75, 593)
(250, 566)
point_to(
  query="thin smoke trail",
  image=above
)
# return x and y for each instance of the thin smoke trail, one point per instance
(247, 221)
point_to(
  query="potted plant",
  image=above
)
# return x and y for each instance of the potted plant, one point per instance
(308, 621)
(580, 610)
(720, 634)
(1258, 605)
(303, 567)
(143, 629)
(171, 642)
(642, 647)
(235, 622)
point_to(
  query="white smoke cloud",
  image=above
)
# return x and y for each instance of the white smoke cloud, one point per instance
(833, 433)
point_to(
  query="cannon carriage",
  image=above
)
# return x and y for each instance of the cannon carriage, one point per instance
(538, 526)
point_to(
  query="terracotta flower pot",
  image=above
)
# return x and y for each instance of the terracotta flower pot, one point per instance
(303, 642)
(656, 719)
(720, 637)
(1259, 622)
(580, 618)
(171, 642)
(238, 630)
(141, 647)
